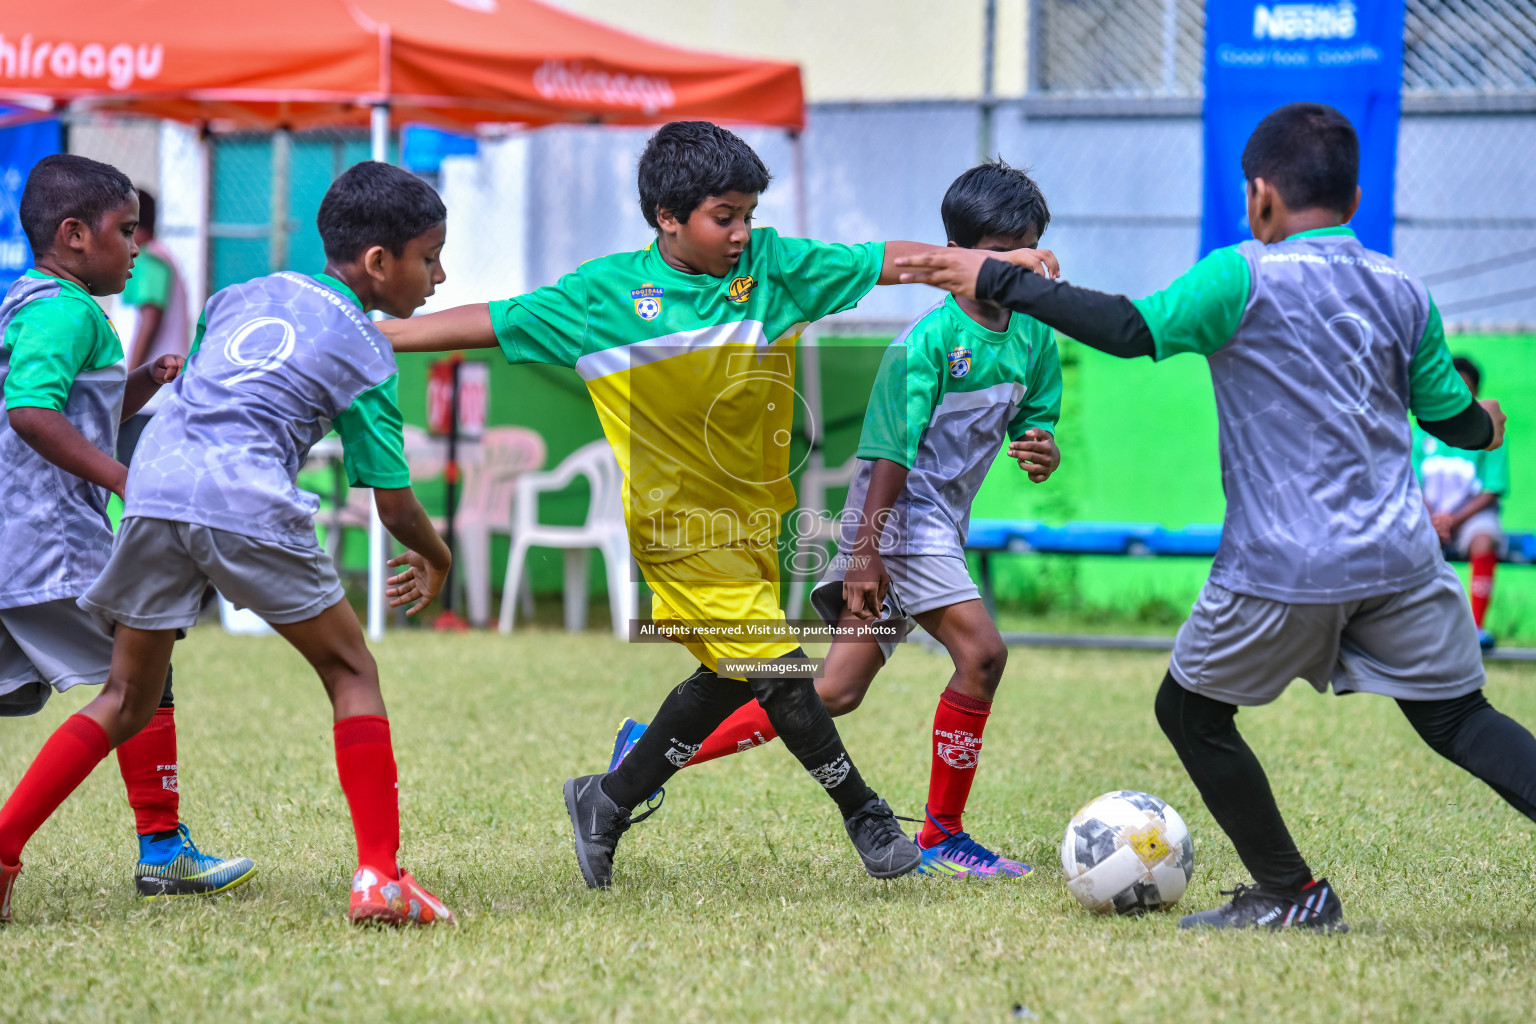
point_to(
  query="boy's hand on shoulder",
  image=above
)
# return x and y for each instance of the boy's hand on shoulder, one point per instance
(1498, 417)
(418, 585)
(167, 368)
(1036, 453)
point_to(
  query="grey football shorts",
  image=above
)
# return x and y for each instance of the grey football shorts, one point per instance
(47, 647)
(919, 583)
(159, 568)
(1418, 644)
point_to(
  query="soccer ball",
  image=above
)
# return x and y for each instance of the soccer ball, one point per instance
(1128, 852)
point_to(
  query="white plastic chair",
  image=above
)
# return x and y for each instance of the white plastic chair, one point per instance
(603, 530)
(422, 456)
(816, 531)
(485, 508)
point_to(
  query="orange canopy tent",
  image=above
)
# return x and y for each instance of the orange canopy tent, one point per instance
(300, 63)
(303, 63)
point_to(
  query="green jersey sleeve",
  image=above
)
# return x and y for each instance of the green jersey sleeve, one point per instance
(197, 335)
(1041, 407)
(1435, 390)
(901, 404)
(150, 284)
(824, 277)
(548, 325)
(51, 342)
(1201, 310)
(373, 438)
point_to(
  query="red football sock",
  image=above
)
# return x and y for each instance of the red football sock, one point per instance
(957, 726)
(746, 728)
(148, 764)
(1482, 585)
(365, 760)
(74, 749)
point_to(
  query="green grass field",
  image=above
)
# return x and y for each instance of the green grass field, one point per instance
(742, 900)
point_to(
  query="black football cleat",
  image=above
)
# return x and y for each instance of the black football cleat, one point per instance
(1315, 907)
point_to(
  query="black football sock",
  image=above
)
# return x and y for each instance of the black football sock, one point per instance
(1468, 731)
(167, 698)
(692, 710)
(800, 718)
(1232, 784)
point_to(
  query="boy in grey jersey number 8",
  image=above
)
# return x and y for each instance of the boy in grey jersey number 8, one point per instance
(1328, 569)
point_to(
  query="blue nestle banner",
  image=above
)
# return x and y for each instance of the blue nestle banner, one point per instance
(1259, 56)
(20, 148)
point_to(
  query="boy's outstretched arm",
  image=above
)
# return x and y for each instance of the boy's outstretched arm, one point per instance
(898, 254)
(428, 559)
(1109, 323)
(52, 436)
(456, 328)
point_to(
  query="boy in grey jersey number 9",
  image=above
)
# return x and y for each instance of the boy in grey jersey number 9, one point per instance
(211, 498)
(1328, 568)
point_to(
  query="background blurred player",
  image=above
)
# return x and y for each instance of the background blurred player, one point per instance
(212, 499)
(152, 313)
(687, 347)
(65, 392)
(1462, 490)
(952, 386)
(1328, 568)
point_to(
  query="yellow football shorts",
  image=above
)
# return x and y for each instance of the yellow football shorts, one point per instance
(720, 590)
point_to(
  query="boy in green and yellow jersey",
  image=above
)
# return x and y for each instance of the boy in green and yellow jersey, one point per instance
(687, 347)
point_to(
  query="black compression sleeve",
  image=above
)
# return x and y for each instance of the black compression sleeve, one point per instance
(1109, 323)
(1471, 429)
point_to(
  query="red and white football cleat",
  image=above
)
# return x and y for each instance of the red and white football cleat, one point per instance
(379, 899)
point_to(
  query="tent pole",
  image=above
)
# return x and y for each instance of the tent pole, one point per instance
(379, 136)
(809, 369)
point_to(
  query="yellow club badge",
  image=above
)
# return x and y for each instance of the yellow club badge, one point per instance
(741, 288)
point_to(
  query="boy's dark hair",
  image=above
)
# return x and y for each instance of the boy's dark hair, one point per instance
(993, 199)
(1468, 369)
(1310, 153)
(372, 204)
(686, 162)
(62, 186)
(147, 211)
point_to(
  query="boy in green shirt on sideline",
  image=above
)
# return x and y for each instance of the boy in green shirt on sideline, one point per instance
(1462, 490)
